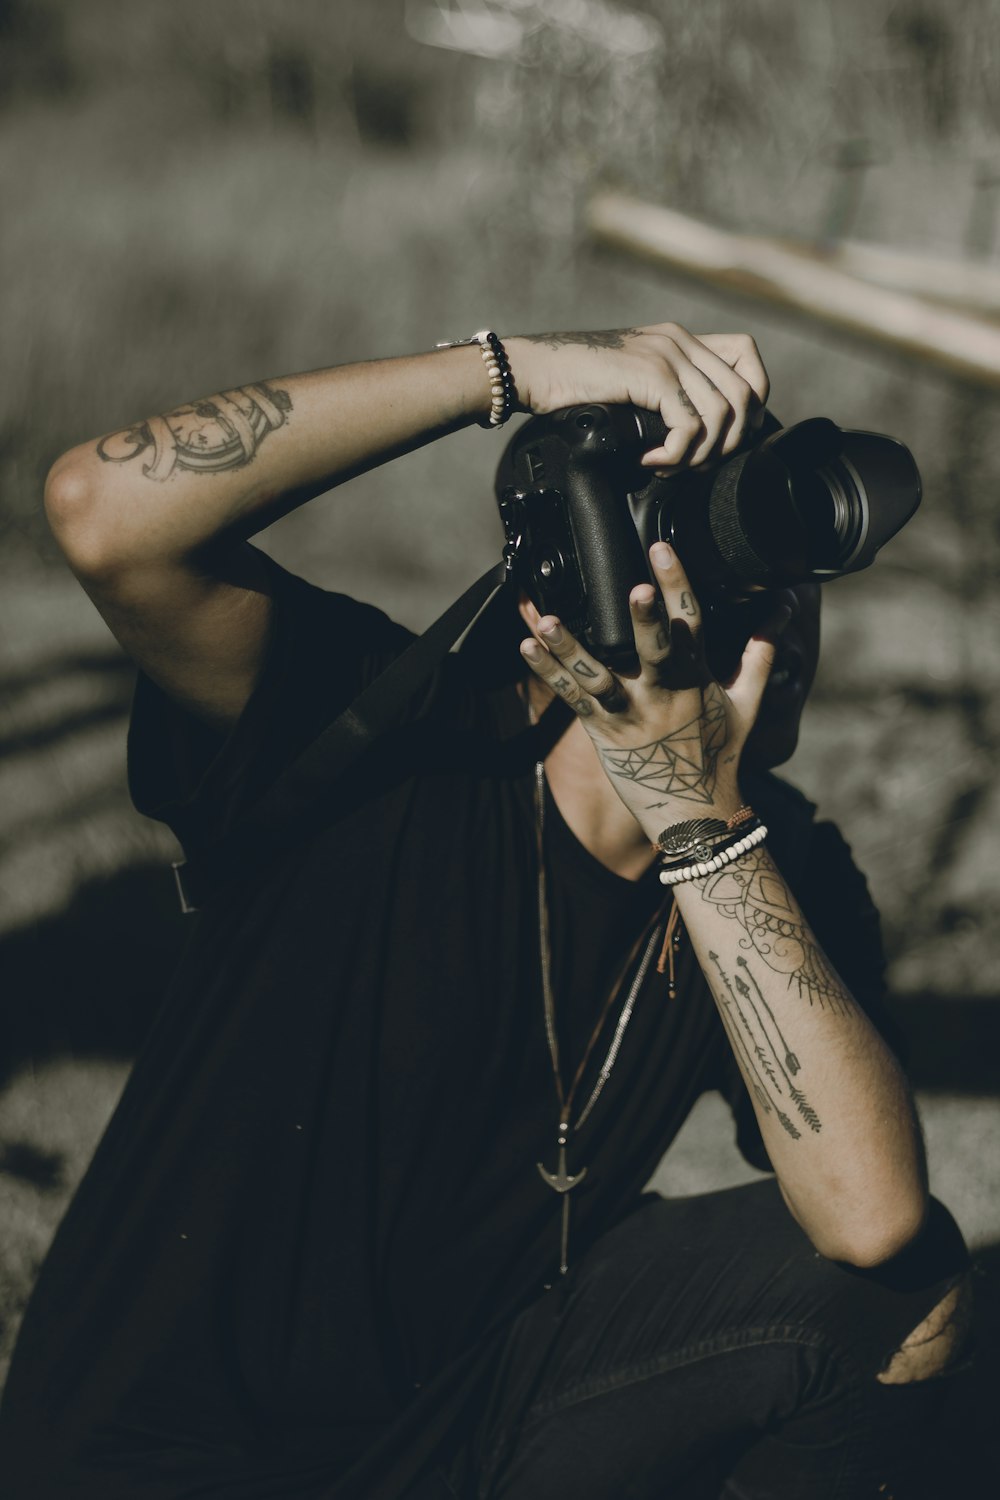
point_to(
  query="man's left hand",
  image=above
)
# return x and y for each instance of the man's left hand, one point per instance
(669, 736)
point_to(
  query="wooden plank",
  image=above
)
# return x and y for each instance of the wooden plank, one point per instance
(956, 283)
(763, 268)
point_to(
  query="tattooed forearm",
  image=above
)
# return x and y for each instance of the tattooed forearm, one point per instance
(768, 1063)
(207, 437)
(681, 766)
(751, 892)
(604, 338)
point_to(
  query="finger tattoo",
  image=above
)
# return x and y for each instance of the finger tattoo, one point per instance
(688, 604)
(582, 670)
(686, 402)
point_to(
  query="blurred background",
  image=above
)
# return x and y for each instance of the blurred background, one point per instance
(201, 194)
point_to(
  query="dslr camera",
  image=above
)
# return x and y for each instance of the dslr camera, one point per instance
(805, 503)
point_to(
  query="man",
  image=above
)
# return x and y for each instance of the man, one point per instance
(368, 1220)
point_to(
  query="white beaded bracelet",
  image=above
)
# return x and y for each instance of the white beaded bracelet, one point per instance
(709, 866)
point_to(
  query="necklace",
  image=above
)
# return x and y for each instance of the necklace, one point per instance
(562, 1181)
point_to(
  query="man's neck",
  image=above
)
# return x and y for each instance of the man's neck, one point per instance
(587, 801)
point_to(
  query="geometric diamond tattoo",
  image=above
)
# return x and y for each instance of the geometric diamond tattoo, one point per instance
(682, 765)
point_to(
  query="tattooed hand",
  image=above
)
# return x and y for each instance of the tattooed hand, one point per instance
(669, 737)
(707, 388)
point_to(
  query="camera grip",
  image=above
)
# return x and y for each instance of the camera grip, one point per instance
(608, 544)
(564, 485)
(609, 552)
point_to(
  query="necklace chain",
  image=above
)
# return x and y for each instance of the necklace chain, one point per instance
(562, 1181)
(623, 1021)
(545, 949)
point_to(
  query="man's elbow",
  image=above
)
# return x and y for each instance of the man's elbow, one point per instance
(862, 1235)
(77, 518)
(879, 1239)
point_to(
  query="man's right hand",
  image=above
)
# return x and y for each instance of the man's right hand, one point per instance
(153, 519)
(708, 389)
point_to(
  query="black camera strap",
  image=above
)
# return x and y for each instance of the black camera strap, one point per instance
(286, 814)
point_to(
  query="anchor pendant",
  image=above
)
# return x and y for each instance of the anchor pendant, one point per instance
(562, 1182)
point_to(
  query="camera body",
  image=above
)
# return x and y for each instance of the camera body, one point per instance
(805, 503)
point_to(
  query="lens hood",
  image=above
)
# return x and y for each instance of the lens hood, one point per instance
(887, 476)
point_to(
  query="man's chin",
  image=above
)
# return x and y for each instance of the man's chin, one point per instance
(770, 745)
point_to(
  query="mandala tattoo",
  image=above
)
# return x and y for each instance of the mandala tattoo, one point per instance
(605, 338)
(681, 766)
(207, 437)
(752, 893)
(768, 1063)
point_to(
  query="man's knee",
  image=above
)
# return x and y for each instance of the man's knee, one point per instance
(937, 1343)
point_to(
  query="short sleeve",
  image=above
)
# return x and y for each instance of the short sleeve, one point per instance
(837, 904)
(325, 648)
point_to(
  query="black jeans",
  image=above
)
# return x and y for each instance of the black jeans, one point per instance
(703, 1348)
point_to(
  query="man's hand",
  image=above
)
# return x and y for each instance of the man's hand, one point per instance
(708, 389)
(669, 737)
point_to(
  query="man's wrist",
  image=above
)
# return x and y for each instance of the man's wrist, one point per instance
(475, 385)
(656, 822)
(479, 385)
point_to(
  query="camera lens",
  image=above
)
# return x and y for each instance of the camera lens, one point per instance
(793, 508)
(835, 534)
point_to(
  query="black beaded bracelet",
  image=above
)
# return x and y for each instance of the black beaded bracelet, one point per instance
(502, 389)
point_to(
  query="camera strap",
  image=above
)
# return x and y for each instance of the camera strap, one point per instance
(286, 814)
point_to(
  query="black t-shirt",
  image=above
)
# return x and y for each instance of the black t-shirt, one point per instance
(318, 1200)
